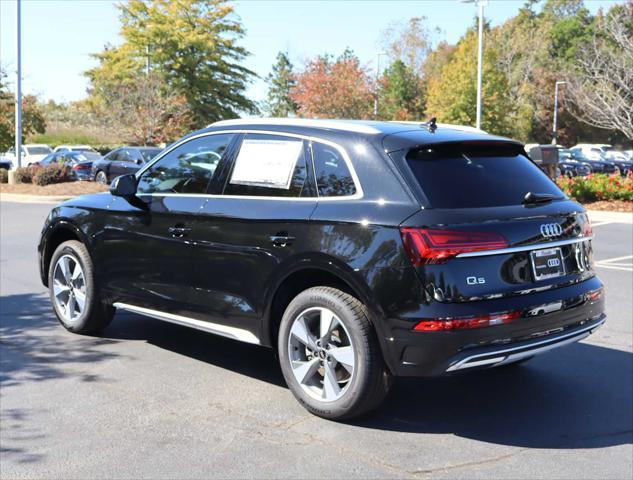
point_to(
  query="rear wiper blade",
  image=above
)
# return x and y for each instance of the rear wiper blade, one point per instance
(532, 198)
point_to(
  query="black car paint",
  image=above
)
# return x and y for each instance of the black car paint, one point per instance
(225, 268)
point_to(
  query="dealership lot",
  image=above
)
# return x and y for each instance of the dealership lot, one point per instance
(156, 400)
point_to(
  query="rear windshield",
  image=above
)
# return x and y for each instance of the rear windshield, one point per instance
(477, 175)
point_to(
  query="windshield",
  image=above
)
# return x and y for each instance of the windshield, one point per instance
(475, 176)
(149, 153)
(38, 150)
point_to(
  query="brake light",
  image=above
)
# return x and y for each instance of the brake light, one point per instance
(437, 325)
(79, 166)
(595, 295)
(431, 246)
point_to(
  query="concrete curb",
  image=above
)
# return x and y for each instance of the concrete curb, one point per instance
(599, 216)
(22, 198)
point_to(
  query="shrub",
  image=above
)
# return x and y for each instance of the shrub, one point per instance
(24, 175)
(4, 175)
(598, 187)
(49, 175)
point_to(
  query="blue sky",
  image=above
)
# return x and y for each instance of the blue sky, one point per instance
(59, 35)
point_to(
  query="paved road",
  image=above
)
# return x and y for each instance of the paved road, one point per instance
(156, 400)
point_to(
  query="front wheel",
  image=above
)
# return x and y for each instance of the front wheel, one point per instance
(73, 291)
(330, 356)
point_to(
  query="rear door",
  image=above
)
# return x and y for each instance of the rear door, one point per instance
(246, 234)
(480, 238)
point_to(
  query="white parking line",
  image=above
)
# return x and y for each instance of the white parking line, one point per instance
(616, 263)
(600, 224)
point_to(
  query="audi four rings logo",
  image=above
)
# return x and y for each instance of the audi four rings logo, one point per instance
(549, 230)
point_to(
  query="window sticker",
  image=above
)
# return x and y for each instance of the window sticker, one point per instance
(266, 163)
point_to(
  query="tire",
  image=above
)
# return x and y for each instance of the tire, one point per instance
(101, 177)
(74, 293)
(327, 362)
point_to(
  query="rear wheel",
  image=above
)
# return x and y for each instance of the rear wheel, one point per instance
(101, 177)
(330, 356)
(73, 292)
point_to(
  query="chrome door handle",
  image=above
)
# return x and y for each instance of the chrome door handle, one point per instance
(178, 231)
(281, 240)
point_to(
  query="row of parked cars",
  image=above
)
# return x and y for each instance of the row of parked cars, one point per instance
(583, 159)
(85, 163)
(88, 164)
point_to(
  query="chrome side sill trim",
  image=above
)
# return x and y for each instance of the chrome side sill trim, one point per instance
(524, 248)
(504, 356)
(215, 328)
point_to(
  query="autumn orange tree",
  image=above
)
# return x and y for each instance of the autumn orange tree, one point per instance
(328, 88)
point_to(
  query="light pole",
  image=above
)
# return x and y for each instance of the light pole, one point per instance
(18, 90)
(378, 55)
(480, 56)
(556, 110)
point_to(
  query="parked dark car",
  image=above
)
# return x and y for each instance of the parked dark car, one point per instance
(570, 167)
(359, 250)
(79, 162)
(597, 166)
(5, 163)
(122, 161)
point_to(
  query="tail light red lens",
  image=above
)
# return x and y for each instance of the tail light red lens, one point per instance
(587, 229)
(432, 246)
(595, 295)
(437, 325)
(79, 166)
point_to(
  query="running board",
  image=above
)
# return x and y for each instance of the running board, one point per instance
(215, 328)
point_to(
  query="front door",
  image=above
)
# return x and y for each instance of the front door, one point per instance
(146, 249)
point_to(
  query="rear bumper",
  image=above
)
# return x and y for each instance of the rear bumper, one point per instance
(496, 356)
(548, 320)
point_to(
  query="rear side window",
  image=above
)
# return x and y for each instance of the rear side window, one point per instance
(332, 173)
(269, 166)
(475, 176)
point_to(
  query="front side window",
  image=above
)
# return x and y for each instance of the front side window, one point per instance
(188, 168)
(332, 173)
(268, 166)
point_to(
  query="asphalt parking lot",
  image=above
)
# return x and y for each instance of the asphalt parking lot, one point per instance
(155, 400)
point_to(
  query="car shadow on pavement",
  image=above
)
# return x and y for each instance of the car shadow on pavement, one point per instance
(245, 359)
(580, 396)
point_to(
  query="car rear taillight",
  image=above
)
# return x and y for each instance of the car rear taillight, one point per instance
(431, 246)
(595, 295)
(79, 166)
(587, 229)
(443, 325)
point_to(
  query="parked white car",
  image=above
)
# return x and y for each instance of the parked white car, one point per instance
(74, 148)
(31, 153)
(593, 151)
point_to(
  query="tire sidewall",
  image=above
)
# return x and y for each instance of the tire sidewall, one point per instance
(354, 394)
(67, 248)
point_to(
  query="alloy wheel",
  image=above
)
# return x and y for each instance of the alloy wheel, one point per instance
(321, 354)
(102, 178)
(69, 288)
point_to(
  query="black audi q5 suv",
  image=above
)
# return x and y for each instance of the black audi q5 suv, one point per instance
(360, 251)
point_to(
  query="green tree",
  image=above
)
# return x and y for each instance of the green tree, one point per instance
(280, 84)
(192, 44)
(32, 115)
(401, 96)
(453, 97)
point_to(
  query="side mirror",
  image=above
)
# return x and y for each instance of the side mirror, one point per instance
(123, 186)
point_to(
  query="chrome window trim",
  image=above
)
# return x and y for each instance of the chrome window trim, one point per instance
(356, 196)
(215, 328)
(524, 248)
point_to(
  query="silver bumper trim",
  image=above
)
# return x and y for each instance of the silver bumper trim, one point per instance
(514, 354)
(524, 248)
